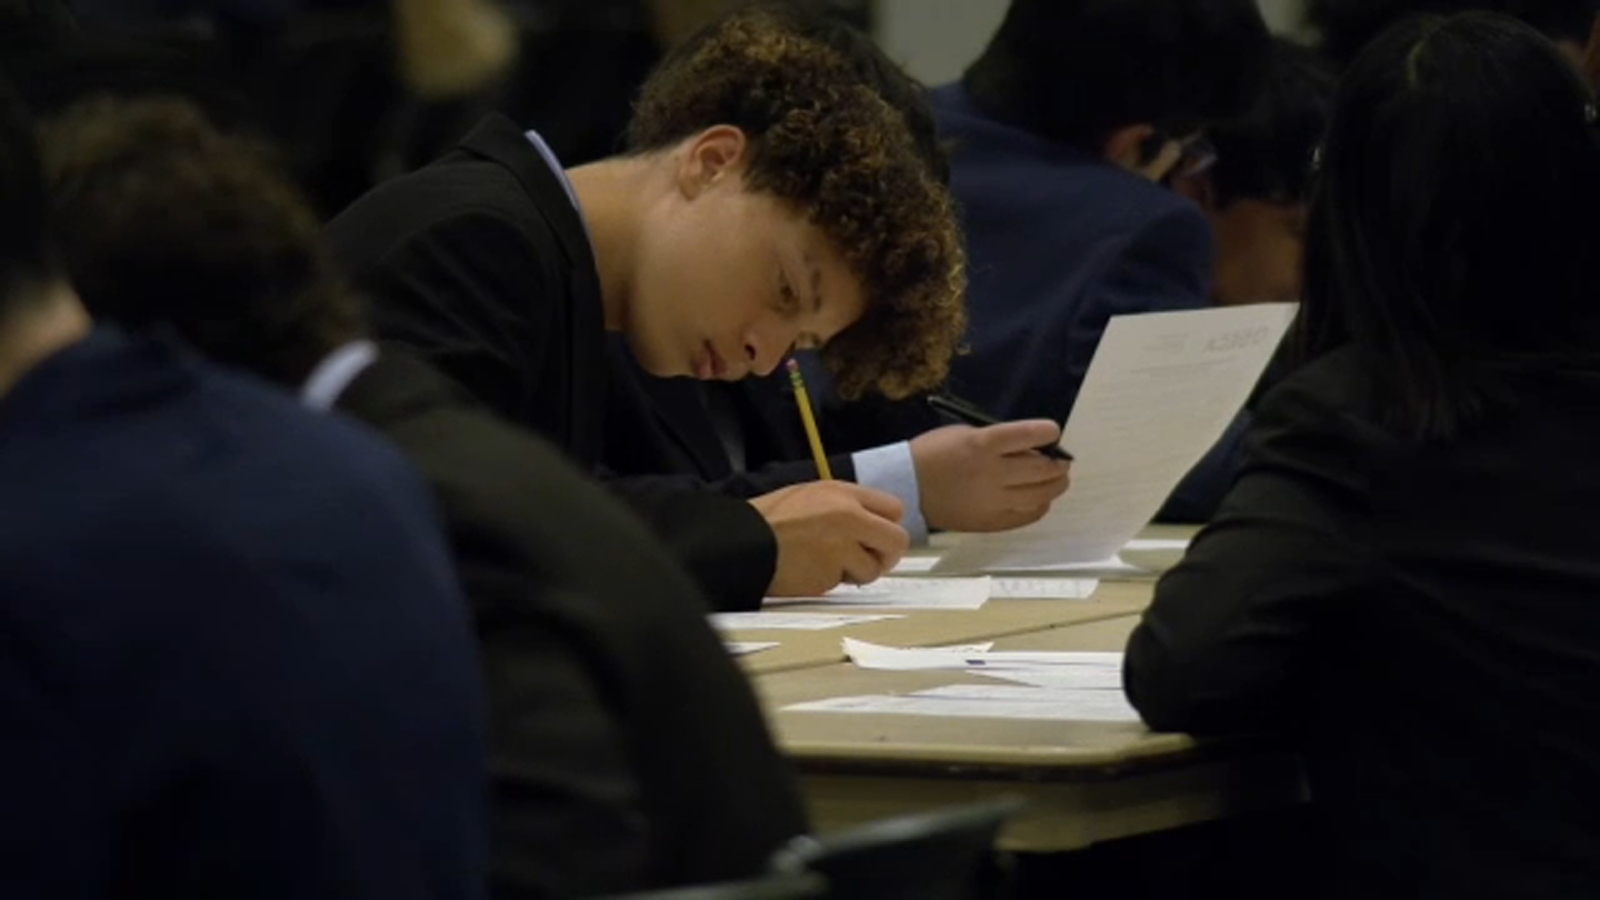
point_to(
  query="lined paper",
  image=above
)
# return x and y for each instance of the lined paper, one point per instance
(1160, 391)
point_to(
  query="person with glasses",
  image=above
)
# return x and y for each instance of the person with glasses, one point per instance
(1064, 132)
(1252, 178)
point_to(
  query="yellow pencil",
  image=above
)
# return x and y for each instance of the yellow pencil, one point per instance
(809, 420)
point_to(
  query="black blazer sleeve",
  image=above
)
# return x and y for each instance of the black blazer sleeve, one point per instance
(1236, 631)
(441, 294)
(625, 748)
(566, 817)
(722, 541)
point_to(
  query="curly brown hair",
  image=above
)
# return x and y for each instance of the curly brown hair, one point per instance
(163, 219)
(823, 140)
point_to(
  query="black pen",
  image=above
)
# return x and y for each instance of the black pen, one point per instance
(961, 410)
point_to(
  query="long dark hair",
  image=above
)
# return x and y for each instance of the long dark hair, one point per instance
(1453, 229)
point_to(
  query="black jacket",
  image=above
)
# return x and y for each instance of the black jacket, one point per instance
(626, 748)
(1424, 617)
(481, 265)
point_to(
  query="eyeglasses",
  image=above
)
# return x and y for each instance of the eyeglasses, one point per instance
(1195, 156)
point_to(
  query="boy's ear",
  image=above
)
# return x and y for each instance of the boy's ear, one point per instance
(1126, 146)
(709, 157)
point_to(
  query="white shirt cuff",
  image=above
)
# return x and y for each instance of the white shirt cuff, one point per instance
(890, 469)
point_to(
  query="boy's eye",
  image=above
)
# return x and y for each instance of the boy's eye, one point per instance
(788, 300)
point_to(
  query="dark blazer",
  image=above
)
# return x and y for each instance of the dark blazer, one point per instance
(1422, 617)
(1058, 242)
(676, 426)
(234, 659)
(480, 264)
(626, 749)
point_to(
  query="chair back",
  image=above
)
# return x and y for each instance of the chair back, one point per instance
(797, 886)
(940, 855)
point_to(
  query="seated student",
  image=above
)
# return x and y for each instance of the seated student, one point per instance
(625, 747)
(741, 223)
(1255, 197)
(746, 435)
(1403, 578)
(1256, 194)
(236, 662)
(1061, 131)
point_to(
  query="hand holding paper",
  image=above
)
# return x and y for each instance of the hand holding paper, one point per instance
(1160, 391)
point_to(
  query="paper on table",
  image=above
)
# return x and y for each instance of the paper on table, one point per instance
(1061, 677)
(745, 648)
(1113, 569)
(868, 655)
(1138, 544)
(988, 701)
(1056, 657)
(780, 621)
(914, 565)
(1042, 588)
(1160, 390)
(904, 593)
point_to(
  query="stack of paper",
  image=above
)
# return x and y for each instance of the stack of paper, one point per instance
(999, 663)
(903, 593)
(1160, 391)
(987, 702)
(745, 648)
(778, 621)
(1064, 686)
(1042, 588)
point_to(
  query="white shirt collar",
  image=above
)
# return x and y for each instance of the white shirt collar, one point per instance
(561, 174)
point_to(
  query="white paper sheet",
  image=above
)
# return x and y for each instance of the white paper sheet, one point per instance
(1138, 544)
(1110, 569)
(914, 565)
(1046, 658)
(782, 621)
(745, 648)
(1101, 678)
(1042, 588)
(868, 655)
(1160, 391)
(903, 593)
(988, 702)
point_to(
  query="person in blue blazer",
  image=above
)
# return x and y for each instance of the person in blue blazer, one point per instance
(1062, 134)
(234, 661)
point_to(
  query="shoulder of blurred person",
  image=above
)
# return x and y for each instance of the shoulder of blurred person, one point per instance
(159, 506)
(615, 620)
(286, 570)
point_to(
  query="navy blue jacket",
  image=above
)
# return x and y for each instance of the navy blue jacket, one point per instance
(233, 658)
(1059, 241)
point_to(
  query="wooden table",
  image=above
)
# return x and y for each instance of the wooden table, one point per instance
(1086, 782)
